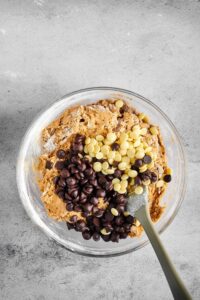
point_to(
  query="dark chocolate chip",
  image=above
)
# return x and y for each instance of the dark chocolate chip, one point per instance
(80, 225)
(102, 180)
(100, 193)
(82, 167)
(95, 209)
(96, 222)
(120, 199)
(137, 180)
(108, 186)
(83, 201)
(71, 165)
(73, 218)
(48, 165)
(71, 181)
(110, 177)
(108, 216)
(124, 109)
(61, 153)
(88, 207)
(59, 189)
(62, 182)
(61, 194)
(94, 200)
(118, 173)
(138, 163)
(77, 147)
(114, 194)
(69, 225)
(98, 213)
(93, 182)
(144, 176)
(56, 179)
(76, 160)
(74, 170)
(133, 167)
(86, 234)
(71, 189)
(88, 189)
(114, 237)
(115, 164)
(88, 172)
(117, 228)
(81, 175)
(82, 196)
(69, 206)
(65, 173)
(153, 177)
(108, 227)
(147, 159)
(167, 178)
(119, 221)
(92, 177)
(77, 176)
(121, 230)
(89, 220)
(115, 146)
(79, 138)
(75, 200)
(74, 193)
(106, 238)
(60, 165)
(127, 227)
(96, 236)
(85, 214)
(83, 181)
(129, 219)
(77, 208)
(120, 208)
(123, 235)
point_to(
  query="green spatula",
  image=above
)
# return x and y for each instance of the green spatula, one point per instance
(138, 207)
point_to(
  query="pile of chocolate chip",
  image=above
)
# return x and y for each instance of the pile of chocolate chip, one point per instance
(146, 174)
(80, 187)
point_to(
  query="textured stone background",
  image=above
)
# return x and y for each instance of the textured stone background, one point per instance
(50, 48)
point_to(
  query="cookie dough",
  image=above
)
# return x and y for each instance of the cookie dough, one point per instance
(99, 119)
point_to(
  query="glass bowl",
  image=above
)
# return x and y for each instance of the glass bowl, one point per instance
(31, 148)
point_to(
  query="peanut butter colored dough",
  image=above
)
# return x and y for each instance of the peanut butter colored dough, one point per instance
(90, 120)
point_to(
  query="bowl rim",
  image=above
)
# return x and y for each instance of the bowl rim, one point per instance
(42, 225)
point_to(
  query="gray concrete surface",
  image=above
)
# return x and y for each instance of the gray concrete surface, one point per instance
(50, 48)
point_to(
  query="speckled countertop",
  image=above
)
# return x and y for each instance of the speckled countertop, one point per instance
(50, 48)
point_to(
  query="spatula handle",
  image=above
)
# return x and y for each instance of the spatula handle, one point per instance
(177, 287)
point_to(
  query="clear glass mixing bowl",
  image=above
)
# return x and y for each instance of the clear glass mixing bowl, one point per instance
(30, 195)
